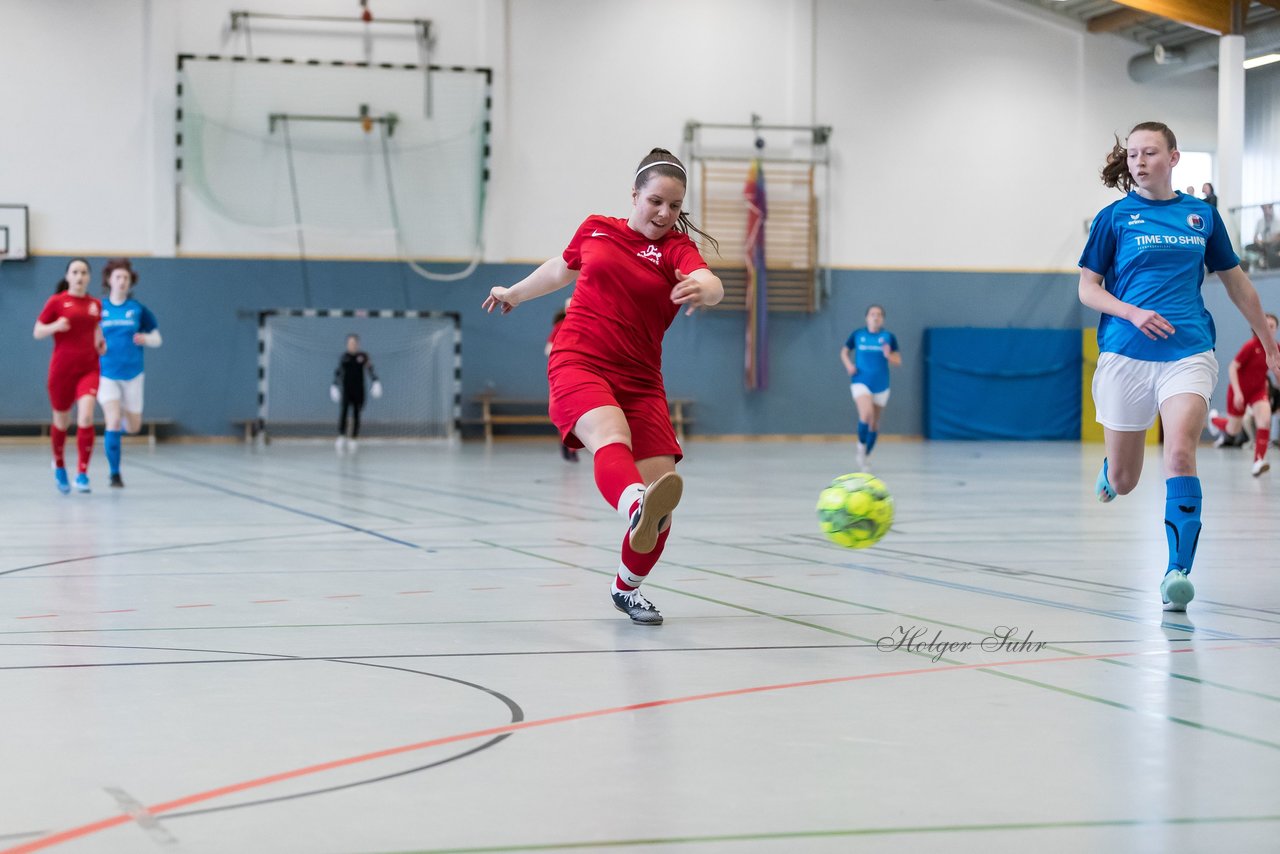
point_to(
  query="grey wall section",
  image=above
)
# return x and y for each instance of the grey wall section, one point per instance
(205, 375)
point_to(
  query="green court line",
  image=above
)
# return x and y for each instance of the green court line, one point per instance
(858, 831)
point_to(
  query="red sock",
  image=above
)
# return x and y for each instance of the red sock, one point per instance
(1220, 423)
(635, 568)
(615, 469)
(1260, 441)
(58, 438)
(84, 444)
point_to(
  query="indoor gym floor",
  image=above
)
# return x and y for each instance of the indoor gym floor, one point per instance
(412, 649)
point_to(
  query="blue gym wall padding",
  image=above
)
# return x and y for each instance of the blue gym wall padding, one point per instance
(1002, 383)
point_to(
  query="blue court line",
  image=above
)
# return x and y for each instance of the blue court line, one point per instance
(284, 507)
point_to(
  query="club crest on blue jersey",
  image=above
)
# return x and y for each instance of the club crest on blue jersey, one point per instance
(1196, 221)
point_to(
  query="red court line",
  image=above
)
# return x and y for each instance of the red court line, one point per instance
(84, 830)
(35, 617)
(203, 605)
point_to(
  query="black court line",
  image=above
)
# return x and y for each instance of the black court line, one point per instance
(285, 507)
(354, 659)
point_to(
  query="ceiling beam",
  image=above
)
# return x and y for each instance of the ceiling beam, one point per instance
(1212, 16)
(1274, 4)
(1120, 19)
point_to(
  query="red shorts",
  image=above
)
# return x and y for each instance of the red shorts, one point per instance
(578, 387)
(69, 384)
(1236, 407)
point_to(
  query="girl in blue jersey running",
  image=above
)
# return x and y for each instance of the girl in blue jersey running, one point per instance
(873, 350)
(1142, 269)
(128, 327)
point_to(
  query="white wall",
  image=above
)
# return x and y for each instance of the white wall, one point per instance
(967, 133)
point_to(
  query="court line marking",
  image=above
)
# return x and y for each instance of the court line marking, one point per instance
(153, 549)
(1018, 597)
(1085, 824)
(285, 507)
(83, 830)
(919, 618)
(293, 493)
(517, 714)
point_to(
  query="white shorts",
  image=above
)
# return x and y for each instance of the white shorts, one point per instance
(128, 392)
(1127, 393)
(879, 398)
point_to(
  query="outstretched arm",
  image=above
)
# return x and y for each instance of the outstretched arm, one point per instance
(553, 275)
(1245, 297)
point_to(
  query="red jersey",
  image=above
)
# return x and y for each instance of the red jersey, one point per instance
(75, 347)
(1251, 368)
(622, 301)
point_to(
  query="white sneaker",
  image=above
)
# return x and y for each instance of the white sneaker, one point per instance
(861, 457)
(352, 445)
(341, 444)
(1211, 427)
(1260, 466)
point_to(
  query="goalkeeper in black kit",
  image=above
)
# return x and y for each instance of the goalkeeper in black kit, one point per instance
(348, 391)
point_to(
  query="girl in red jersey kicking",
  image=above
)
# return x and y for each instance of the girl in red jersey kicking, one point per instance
(605, 366)
(72, 317)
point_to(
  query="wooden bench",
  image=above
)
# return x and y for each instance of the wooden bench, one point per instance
(498, 411)
(150, 429)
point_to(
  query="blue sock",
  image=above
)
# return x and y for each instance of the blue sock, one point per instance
(111, 442)
(1182, 520)
(862, 432)
(871, 439)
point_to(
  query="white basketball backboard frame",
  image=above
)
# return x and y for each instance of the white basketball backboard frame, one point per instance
(13, 233)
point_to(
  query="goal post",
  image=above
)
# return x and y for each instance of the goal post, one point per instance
(416, 355)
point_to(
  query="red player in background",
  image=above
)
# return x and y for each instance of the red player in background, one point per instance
(73, 318)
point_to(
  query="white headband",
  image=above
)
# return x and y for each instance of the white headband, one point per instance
(660, 163)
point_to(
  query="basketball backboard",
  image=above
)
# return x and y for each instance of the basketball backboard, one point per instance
(13, 232)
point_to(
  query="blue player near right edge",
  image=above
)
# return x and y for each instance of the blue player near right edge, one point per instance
(874, 349)
(1142, 269)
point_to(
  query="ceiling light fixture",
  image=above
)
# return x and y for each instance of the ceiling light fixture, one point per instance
(1265, 59)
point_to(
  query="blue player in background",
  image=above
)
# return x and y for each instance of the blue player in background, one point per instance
(1142, 269)
(128, 327)
(873, 349)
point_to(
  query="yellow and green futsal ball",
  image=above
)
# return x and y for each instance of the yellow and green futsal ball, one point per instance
(855, 510)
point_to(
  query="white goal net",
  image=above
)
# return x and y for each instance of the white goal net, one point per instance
(416, 357)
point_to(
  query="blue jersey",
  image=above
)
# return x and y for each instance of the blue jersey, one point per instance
(869, 358)
(1153, 254)
(123, 359)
